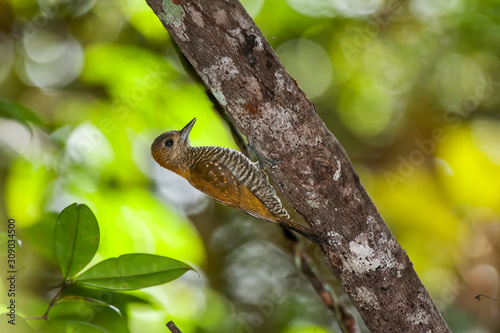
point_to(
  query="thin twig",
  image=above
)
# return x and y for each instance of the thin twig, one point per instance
(478, 297)
(173, 328)
(345, 319)
(53, 301)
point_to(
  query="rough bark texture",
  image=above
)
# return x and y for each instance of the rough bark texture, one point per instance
(315, 175)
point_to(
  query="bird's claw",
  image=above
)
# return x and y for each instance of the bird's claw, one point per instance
(263, 160)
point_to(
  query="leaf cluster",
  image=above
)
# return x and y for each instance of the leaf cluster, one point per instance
(76, 240)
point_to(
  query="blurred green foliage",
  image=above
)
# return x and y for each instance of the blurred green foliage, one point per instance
(76, 240)
(410, 89)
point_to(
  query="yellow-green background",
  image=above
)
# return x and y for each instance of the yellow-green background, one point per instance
(410, 89)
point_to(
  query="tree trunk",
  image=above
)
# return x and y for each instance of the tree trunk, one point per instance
(240, 68)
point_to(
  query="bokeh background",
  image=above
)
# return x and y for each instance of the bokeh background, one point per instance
(410, 89)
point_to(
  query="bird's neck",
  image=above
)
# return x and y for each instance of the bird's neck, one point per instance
(183, 163)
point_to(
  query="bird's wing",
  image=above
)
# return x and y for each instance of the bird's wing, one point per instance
(220, 183)
(216, 181)
(223, 185)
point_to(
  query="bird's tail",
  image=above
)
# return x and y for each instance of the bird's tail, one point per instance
(304, 231)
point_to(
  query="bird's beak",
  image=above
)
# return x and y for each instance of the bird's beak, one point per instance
(185, 131)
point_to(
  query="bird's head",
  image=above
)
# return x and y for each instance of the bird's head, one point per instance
(169, 148)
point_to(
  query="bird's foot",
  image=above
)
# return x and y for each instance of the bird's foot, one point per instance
(263, 160)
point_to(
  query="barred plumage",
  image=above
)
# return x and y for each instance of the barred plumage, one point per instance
(245, 171)
(226, 175)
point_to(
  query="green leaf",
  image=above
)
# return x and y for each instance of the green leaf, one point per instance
(84, 317)
(133, 271)
(76, 238)
(19, 113)
(119, 298)
(90, 300)
(71, 325)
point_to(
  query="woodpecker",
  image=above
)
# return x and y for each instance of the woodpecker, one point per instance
(226, 175)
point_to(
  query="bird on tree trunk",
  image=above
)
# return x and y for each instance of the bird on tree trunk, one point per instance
(226, 175)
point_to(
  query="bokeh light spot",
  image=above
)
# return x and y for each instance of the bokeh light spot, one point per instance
(330, 8)
(253, 7)
(53, 66)
(308, 63)
(366, 109)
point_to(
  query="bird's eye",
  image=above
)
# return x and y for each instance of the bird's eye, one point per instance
(169, 143)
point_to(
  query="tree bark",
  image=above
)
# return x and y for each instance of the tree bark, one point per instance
(240, 68)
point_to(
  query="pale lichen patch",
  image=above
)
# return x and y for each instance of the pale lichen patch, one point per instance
(418, 317)
(236, 37)
(223, 70)
(197, 17)
(312, 200)
(254, 87)
(282, 83)
(244, 22)
(363, 258)
(220, 17)
(346, 191)
(219, 96)
(235, 32)
(283, 121)
(258, 44)
(367, 297)
(181, 29)
(383, 239)
(312, 203)
(337, 173)
(173, 14)
(334, 238)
